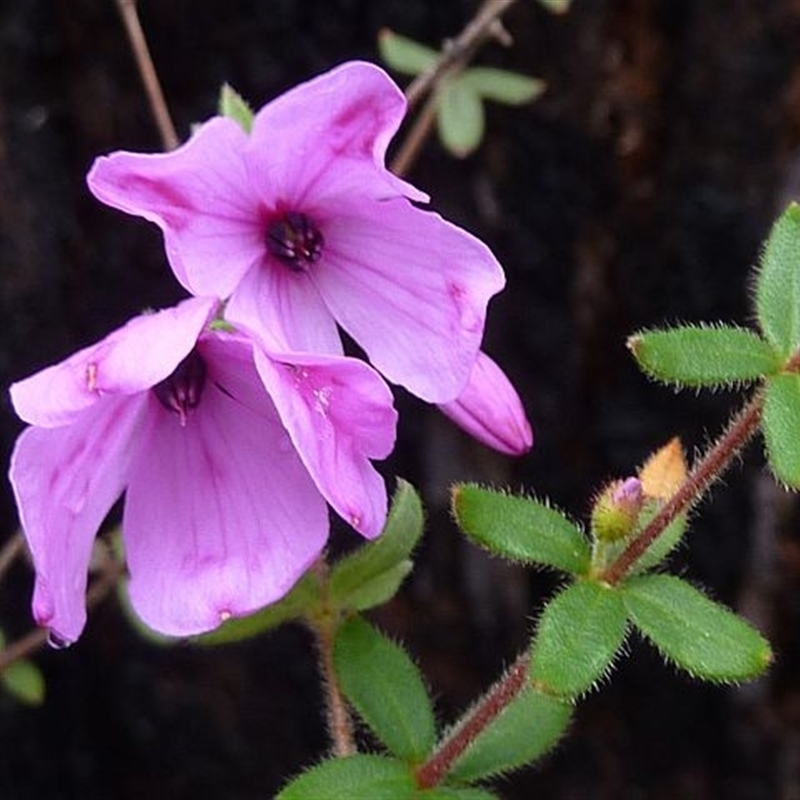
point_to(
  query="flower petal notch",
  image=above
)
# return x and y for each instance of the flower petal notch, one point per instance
(301, 227)
(224, 502)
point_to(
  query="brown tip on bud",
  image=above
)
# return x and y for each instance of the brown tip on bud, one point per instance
(664, 471)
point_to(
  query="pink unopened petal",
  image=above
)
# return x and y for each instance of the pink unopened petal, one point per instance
(131, 359)
(200, 197)
(339, 414)
(490, 410)
(411, 289)
(221, 517)
(65, 481)
(344, 116)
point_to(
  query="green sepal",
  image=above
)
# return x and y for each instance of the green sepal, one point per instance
(386, 689)
(24, 681)
(524, 731)
(502, 86)
(460, 118)
(520, 529)
(357, 777)
(579, 633)
(455, 793)
(698, 635)
(403, 54)
(304, 597)
(233, 106)
(778, 284)
(704, 355)
(664, 544)
(372, 574)
(780, 423)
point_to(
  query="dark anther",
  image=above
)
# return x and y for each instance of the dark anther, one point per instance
(181, 391)
(295, 240)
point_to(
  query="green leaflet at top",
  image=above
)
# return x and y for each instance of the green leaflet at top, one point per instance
(778, 284)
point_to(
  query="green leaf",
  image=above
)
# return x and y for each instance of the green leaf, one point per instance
(295, 605)
(455, 793)
(556, 6)
(24, 681)
(386, 689)
(232, 105)
(503, 86)
(700, 636)
(780, 422)
(524, 731)
(373, 573)
(579, 633)
(460, 117)
(664, 544)
(358, 777)
(703, 355)
(778, 284)
(405, 55)
(520, 529)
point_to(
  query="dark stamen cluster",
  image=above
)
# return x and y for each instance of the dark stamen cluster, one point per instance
(181, 391)
(295, 240)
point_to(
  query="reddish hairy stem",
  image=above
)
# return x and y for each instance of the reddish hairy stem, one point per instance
(435, 769)
(715, 461)
(144, 63)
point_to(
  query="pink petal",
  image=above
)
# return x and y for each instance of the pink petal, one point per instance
(411, 289)
(221, 517)
(339, 414)
(131, 359)
(490, 410)
(65, 481)
(346, 115)
(201, 198)
(283, 309)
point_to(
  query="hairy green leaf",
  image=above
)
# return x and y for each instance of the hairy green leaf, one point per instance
(520, 529)
(778, 284)
(386, 689)
(358, 777)
(403, 54)
(700, 636)
(523, 732)
(455, 793)
(460, 117)
(780, 423)
(579, 633)
(232, 105)
(503, 86)
(702, 355)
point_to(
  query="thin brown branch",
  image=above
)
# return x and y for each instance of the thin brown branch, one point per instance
(11, 550)
(144, 63)
(707, 470)
(485, 25)
(435, 769)
(415, 138)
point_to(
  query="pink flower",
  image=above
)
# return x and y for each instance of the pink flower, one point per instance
(490, 410)
(226, 456)
(302, 226)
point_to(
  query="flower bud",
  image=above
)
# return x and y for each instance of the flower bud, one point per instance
(616, 510)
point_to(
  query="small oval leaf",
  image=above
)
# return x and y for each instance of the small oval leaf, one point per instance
(232, 105)
(778, 283)
(358, 777)
(703, 355)
(780, 422)
(460, 117)
(23, 680)
(403, 54)
(700, 636)
(579, 634)
(523, 732)
(503, 86)
(520, 529)
(385, 687)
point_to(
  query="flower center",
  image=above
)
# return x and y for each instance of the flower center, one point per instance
(295, 240)
(181, 391)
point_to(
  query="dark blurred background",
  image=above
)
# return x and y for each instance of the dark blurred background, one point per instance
(634, 193)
